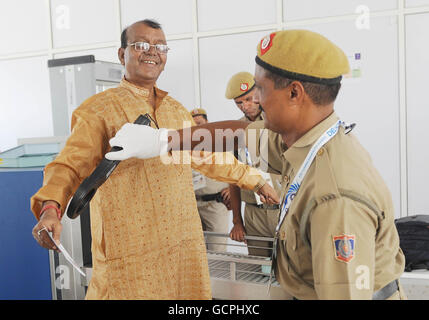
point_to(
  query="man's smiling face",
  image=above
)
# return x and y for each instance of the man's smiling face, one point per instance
(143, 67)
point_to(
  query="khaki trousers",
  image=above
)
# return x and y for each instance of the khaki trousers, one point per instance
(214, 217)
(262, 223)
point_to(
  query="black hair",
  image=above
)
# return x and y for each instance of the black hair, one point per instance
(149, 22)
(320, 94)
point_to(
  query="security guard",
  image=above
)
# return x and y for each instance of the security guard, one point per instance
(337, 237)
(259, 219)
(213, 199)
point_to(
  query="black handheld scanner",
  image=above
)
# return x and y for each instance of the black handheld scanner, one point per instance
(89, 186)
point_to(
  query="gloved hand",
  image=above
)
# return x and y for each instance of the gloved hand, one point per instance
(138, 141)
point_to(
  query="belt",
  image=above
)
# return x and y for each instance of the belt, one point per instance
(264, 206)
(210, 197)
(387, 291)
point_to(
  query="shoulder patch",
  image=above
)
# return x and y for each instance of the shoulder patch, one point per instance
(344, 246)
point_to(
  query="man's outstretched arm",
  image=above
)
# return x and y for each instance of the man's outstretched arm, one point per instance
(213, 138)
(145, 142)
(221, 136)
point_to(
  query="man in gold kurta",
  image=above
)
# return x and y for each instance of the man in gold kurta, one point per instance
(146, 236)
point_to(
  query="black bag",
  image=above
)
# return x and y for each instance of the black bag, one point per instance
(414, 241)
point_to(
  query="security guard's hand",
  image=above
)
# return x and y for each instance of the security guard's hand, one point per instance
(237, 232)
(49, 222)
(268, 195)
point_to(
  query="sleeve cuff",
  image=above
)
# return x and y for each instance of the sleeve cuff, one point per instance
(259, 184)
(47, 193)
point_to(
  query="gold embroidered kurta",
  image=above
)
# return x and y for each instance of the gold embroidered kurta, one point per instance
(147, 241)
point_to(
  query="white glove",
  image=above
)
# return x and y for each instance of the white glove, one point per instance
(138, 141)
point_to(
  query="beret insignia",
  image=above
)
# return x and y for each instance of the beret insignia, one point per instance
(267, 43)
(244, 87)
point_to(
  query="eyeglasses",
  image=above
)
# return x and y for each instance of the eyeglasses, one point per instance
(145, 47)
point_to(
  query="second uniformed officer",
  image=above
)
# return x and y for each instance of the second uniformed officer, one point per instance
(259, 219)
(337, 237)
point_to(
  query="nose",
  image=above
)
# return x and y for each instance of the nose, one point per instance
(256, 96)
(152, 51)
(245, 105)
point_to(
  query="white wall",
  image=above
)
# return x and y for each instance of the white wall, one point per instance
(212, 40)
(417, 35)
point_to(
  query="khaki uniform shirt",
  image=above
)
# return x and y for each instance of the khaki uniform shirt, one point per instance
(147, 241)
(338, 240)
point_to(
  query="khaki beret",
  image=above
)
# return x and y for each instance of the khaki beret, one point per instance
(239, 85)
(198, 112)
(302, 55)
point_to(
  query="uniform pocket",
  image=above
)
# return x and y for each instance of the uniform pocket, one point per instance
(291, 240)
(291, 248)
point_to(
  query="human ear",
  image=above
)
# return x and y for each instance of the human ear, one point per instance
(296, 91)
(121, 54)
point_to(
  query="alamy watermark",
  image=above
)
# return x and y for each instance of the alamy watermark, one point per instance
(62, 19)
(362, 22)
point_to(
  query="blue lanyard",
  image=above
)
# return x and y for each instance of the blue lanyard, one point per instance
(296, 184)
